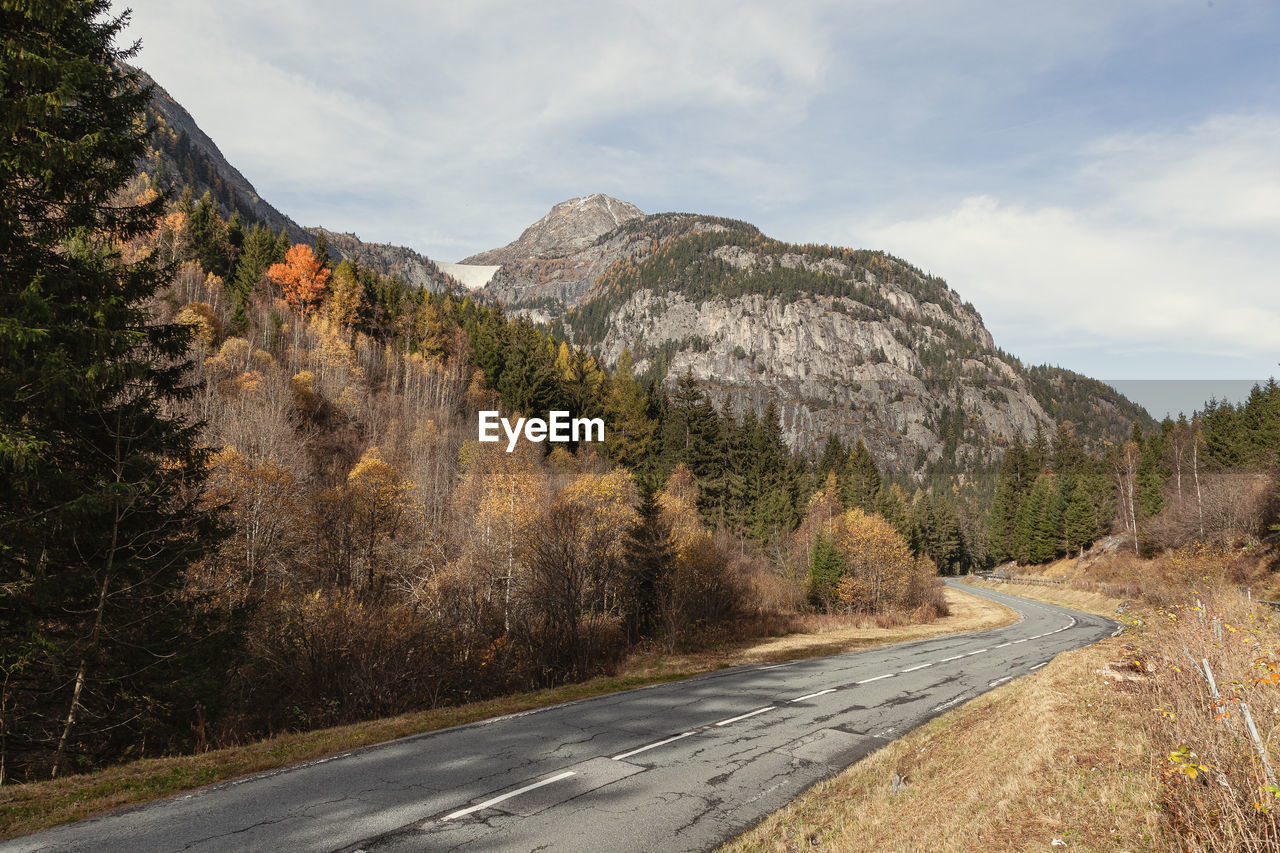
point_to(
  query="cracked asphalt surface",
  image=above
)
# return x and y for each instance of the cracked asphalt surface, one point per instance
(679, 766)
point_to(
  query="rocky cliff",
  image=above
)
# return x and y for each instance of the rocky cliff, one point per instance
(183, 157)
(567, 227)
(405, 264)
(844, 342)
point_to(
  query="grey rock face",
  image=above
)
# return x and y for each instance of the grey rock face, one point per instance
(830, 373)
(563, 278)
(405, 264)
(569, 226)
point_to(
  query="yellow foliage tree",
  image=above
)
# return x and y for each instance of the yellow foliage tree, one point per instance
(500, 497)
(346, 296)
(696, 588)
(206, 328)
(260, 497)
(382, 500)
(609, 501)
(880, 572)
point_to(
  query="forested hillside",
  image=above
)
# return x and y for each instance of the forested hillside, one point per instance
(316, 535)
(1208, 480)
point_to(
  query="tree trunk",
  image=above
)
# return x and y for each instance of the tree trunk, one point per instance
(1195, 470)
(84, 660)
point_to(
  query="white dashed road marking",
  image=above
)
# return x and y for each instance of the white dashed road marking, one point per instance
(748, 714)
(493, 802)
(877, 678)
(651, 746)
(814, 695)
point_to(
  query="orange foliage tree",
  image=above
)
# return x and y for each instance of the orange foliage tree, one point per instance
(302, 278)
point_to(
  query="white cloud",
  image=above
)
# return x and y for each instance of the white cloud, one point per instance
(1024, 151)
(1221, 175)
(1164, 259)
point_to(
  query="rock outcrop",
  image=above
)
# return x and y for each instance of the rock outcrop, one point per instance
(569, 226)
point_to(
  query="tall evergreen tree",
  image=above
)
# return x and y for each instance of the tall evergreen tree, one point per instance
(1080, 523)
(826, 565)
(256, 254)
(209, 238)
(947, 544)
(97, 481)
(860, 486)
(832, 459)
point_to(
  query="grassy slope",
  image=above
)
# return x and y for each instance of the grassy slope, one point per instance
(28, 808)
(1056, 755)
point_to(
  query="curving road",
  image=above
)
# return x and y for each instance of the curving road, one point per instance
(680, 766)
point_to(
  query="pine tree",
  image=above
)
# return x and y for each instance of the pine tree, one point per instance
(283, 245)
(235, 234)
(97, 481)
(255, 257)
(322, 251)
(1080, 523)
(860, 486)
(649, 558)
(832, 459)
(948, 545)
(826, 565)
(209, 238)
(630, 437)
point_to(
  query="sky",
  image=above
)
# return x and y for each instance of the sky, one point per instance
(1100, 179)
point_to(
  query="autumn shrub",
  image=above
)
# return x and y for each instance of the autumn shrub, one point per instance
(572, 589)
(334, 657)
(1229, 508)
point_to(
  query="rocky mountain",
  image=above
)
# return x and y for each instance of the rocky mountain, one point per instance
(406, 264)
(183, 157)
(848, 342)
(569, 226)
(844, 342)
(544, 286)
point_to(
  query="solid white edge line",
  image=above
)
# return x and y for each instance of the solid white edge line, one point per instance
(814, 695)
(744, 716)
(914, 668)
(493, 802)
(999, 681)
(650, 746)
(1037, 666)
(877, 678)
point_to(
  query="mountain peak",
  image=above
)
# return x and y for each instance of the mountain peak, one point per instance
(570, 225)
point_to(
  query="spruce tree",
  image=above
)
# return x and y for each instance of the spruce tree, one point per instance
(1080, 524)
(97, 480)
(826, 567)
(256, 254)
(832, 459)
(860, 486)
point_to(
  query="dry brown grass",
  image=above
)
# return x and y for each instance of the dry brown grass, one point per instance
(1087, 600)
(1059, 755)
(1218, 795)
(39, 805)
(1167, 578)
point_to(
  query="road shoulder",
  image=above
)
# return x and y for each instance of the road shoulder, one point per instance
(1055, 755)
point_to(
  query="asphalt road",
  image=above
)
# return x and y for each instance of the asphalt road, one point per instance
(680, 766)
